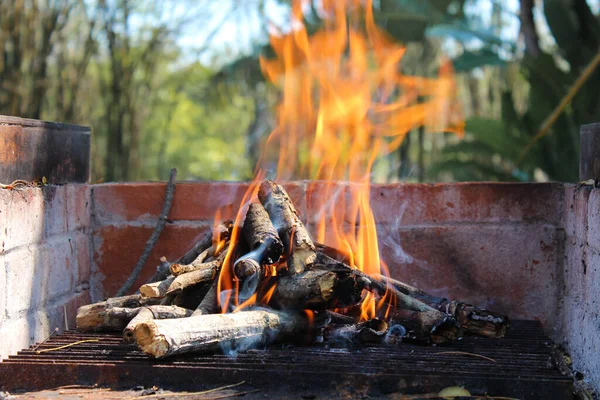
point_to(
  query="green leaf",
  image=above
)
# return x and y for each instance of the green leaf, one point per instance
(461, 31)
(473, 59)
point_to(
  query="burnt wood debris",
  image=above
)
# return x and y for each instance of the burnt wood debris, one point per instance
(284, 287)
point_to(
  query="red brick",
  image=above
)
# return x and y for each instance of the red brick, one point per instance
(192, 201)
(415, 204)
(195, 201)
(119, 248)
(324, 198)
(511, 269)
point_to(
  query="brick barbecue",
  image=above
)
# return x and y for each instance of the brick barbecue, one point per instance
(527, 250)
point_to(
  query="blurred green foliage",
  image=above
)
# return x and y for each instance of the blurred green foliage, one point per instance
(155, 101)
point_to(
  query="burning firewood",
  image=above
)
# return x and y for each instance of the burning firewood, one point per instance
(207, 333)
(428, 327)
(317, 290)
(428, 323)
(209, 304)
(363, 333)
(264, 242)
(318, 278)
(262, 237)
(472, 319)
(202, 247)
(298, 245)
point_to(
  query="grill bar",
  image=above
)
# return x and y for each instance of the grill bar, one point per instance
(522, 366)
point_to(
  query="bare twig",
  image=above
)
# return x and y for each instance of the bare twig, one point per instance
(179, 394)
(162, 219)
(45, 340)
(464, 353)
(573, 90)
(66, 345)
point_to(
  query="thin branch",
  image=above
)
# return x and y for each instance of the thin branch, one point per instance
(573, 90)
(162, 219)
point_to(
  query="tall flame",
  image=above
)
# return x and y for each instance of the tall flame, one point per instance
(345, 103)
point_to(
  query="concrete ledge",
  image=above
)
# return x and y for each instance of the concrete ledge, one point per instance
(30, 150)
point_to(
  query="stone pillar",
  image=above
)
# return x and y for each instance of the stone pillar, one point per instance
(32, 149)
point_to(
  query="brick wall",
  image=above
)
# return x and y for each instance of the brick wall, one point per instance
(579, 327)
(529, 250)
(44, 261)
(496, 245)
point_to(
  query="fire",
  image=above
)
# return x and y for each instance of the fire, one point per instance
(345, 103)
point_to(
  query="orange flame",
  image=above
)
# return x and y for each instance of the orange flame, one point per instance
(345, 103)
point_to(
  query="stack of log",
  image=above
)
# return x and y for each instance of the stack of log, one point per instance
(298, 290)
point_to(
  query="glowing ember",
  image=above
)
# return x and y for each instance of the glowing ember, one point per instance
(345, 103)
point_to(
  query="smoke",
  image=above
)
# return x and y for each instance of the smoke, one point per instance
(395, 334)
(249, 284)
(390, 243)
(250, 338)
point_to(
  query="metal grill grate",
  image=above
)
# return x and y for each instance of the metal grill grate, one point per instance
(523, 367)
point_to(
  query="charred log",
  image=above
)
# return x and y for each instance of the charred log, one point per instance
(426, 327)
(316, 290)
(298, 245)
(373, 331)
(473, 320)
(209, 304)
(262, 237)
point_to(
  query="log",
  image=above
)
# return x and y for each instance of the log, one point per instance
(192, 296)
(426, 327)
(298, 245)
(93, 317)
(372, 284)
(223, 231)
(157, 289)
(208, 333)
(199, 263)
(144, 314)
(473, 320)
(265, 245)
(316, 290)
(363, 333)
(176, 284)
(209, 304)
